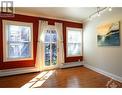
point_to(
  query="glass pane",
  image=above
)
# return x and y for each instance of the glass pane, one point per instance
(19, 50)
(74, 49)
(74, 36)
(54, 36)
(47, 54)
(18, 33)
(25, 33)
(54, 54)
(47, 36)
(50, 53)
(26, 50)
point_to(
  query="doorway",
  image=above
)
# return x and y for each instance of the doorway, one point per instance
(50, 48)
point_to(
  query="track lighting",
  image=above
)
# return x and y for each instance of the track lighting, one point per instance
(110, 9)
(99, 12)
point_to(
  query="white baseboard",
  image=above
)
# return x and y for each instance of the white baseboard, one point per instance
(71, 64)
(115, 77)
(15, 71)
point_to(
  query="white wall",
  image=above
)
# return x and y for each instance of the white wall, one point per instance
(108, 58)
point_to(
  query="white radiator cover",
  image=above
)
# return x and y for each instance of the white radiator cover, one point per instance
(71, 64)
(16, 71)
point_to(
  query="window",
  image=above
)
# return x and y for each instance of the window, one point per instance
(74, 42)
(50, 43)
(17, 41)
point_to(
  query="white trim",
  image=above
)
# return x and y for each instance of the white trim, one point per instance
(71, 64)
(115, 77)
(5, 50)
(72, 28)
(47, 17)
(50, 68)
(16, 71)
(76, 29)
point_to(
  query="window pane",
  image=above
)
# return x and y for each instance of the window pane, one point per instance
(47, 54)
(47, 36)
(74, 49)
(54, 54)
(19, 50)
(74, 36)
(54, 36)
(18, 33)
(25, 50)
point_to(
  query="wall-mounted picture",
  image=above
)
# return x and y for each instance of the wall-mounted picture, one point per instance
(108, 34)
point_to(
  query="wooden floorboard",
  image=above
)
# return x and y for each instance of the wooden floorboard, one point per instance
(62, 78)
(16, 81)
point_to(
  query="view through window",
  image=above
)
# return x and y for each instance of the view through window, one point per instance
(74, 42)
(18, 40)
(50, 47)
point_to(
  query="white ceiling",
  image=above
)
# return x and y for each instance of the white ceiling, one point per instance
(77, 14)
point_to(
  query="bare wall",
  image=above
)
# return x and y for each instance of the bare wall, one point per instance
(108, 58)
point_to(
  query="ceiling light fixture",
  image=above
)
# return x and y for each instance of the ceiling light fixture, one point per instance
(99, 12)
(110, 9)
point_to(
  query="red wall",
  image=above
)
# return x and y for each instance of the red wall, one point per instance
(34, 20)
(17, 64)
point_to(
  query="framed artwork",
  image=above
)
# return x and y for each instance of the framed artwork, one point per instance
(108, 34)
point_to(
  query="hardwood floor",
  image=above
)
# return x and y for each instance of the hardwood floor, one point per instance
(16, 81)
(61, 78)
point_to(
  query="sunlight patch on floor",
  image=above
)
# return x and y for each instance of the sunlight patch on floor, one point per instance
(39, 79)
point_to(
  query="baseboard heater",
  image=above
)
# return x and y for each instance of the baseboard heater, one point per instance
(71, 64)
(16, 71)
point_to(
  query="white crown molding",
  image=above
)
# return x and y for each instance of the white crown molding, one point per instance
(38, 15)
(110, 75)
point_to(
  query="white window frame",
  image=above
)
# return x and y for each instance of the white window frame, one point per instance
(5, 38)
(75, 29)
